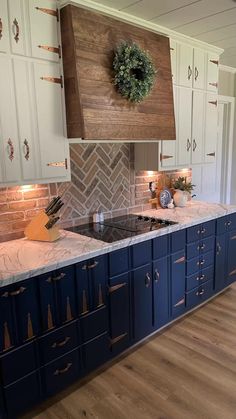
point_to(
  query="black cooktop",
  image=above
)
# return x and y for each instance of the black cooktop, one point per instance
(119, 228)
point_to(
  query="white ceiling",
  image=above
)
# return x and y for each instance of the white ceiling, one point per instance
(212, 21)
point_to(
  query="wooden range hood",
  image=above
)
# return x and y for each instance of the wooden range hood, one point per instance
(94, 108)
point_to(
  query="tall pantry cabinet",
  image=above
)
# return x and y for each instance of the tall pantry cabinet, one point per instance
(33, 147)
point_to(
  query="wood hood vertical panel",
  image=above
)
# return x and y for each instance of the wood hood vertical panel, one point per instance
(94, 108)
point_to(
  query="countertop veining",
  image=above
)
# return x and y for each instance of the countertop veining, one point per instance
(22, 259)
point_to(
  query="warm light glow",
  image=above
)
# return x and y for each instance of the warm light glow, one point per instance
(26, 187)
(150, 172)
(185, 170)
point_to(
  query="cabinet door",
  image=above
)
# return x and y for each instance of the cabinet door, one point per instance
(231, 260)
(185, 65)
(142, 301)
(98, 269)
(211, 128)
(212, 72)
(169, 148)
(17, 26)
(2, 408)
(65, 282)
(4, 35)
(184, 126)
(199, 70)
(160, 292)
(23, 88)
(53, 145)
(8, 336)
(83, 289)
(27, 312)
(198, 127)
(48, 302)
(9, 147)
(177, 283)
(220, 266)
(173, 57)
(44, 43)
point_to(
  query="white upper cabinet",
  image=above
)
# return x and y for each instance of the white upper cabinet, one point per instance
(211, 126)
(184, 127)
(199, 68)
(44, 29)
(4, 34)
(173, 57)
(17, 31)
(185, 65)
(198, 121)
(212, 72)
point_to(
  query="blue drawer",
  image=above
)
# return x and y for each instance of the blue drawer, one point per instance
(199, 278)
(141, 254)
(22, 395)
(18, 363)
(200, 231)
(199, 247)
(199, 263)
(57, 343)
(59, 374)
(199, 294)
(160, 247)
(93, 324)
(178, 241)
(227, 223)
(96, 352)
(118, 262)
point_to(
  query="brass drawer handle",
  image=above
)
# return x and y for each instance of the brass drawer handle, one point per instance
(180, 302)
(117, 339)
(59, 277)
(116, 287)
(229, 223)
(60, 344)
(201, 262)
(203, 230)
(147, 280)
(157, 275)
(202, 277)
(27, 150)
(194, 145)
(1, 28)
(14, 293)
(201, 247)
(64, 370)
(188, 144)
(196, 73)
(93, 265)
(11, 149)
(200, 292)
(190, 72)
(218, 248)
(16, 30)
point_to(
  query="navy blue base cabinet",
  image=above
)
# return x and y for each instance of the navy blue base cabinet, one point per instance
(61, 326)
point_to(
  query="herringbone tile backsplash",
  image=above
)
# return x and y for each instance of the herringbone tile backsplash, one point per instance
(103, 178)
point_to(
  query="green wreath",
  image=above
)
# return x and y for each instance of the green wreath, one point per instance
(134, 72)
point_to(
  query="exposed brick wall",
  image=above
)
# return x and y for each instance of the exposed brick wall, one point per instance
(103, 178)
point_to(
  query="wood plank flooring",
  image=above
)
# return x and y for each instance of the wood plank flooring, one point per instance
(187, 372)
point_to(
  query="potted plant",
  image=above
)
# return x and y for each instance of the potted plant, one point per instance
(183, 190)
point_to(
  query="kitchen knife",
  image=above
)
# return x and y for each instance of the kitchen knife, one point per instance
(51, 222)
(50, 205)
(54, 206)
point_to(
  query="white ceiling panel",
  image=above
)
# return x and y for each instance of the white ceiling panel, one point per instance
(116, 4)
(193, 12)
(229, 52)
(218, 34)
(209, 23)
(226, 43)
(230, 61)
(148, 9)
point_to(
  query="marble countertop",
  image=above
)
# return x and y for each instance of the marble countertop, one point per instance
(22, 259)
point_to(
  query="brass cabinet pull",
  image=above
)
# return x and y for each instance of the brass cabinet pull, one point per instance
(201, 247)
(202, 277)
(56, 50)
(218, 248)
(211, 154)
(57, 80)
(213, 84)
(93, 265)
(214, 62)
(165, 156)
(201, 262)
(1, 28)
(203, 230)
(59, 277)
(147, 280)
(157, 275)
(232, 272)
(116, 287)
(27, 150)
(180, 260)
(60, 344)
(16, 30)
(51, 12)
(229, 223)
(188, 144)
(14, 293)
(180, 302)
(11, 149)
(213, 102)
(64, 370)
(194, 145)
(196, 73)
(200, 292)
(117, 339)
(190, 72)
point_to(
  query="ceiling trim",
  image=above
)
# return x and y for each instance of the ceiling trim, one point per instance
(119, 15)
(227, 68)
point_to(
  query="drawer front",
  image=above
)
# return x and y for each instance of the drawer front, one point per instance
(93, 324)
(200, 294)
(118, 262)
(96, 352)
(231, 222)
(198, 248)
(59, 374)
(141, 254)
(199, 278)
(18, 363)
(199, 263)
(160, 247)
(178, 241)
(200, 231)
(22, 395)
(58, 342)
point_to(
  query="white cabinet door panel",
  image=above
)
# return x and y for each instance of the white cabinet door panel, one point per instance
(185, 65)
(25, 116)
(184, 126)
(17, 27)
(212, 73)
(4, 33)
(198, 120)
(211, 125)
(10, 159)
(53, 145)
(169, 148)
(173, 57)
(199, 70)
(44, 29)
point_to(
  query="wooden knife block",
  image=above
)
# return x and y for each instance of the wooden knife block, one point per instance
(36, 229)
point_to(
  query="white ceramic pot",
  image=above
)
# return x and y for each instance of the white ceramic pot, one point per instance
(180, 198)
